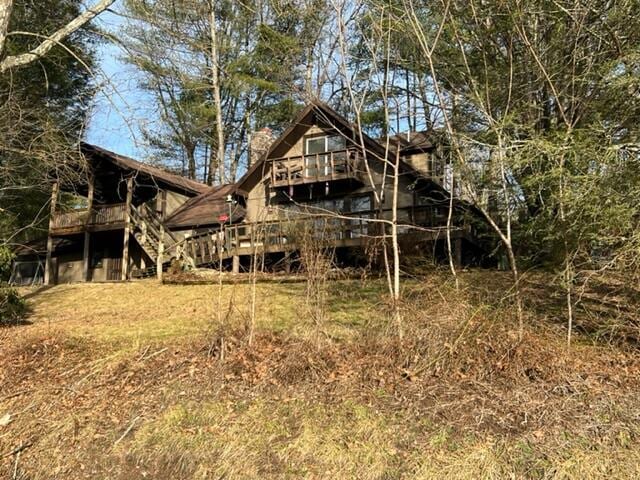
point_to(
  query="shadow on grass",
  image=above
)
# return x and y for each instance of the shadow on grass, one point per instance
(37, 292)
(16, 323)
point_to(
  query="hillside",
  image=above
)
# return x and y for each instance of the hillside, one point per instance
(141, 380)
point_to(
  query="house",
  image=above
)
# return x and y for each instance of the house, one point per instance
(111, 218)
(320, 172)
(322, 168)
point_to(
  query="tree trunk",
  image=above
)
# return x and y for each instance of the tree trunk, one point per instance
(5, 15)
(215, 87)
(395, 246)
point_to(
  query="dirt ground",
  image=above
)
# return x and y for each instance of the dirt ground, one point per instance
(142, 380)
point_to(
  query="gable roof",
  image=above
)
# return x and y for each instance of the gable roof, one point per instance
(315, 112)
(319, 112)
(205, 209)
(177, 182)
(326, 116)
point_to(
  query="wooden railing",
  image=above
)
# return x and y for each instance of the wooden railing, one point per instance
(317, 167)
(286, 233)
(98, 215)
(289, 234)
(272, 236)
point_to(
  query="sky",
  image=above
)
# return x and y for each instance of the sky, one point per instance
(120, 107)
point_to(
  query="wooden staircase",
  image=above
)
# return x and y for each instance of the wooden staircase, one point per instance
(152, 236)
(148, 230)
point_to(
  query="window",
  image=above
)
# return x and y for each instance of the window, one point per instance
(360, 226)
(316, 165)
(335, 142)
(361, 204)
(328, 204)
(97, 258)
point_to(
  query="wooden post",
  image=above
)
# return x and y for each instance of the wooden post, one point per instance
(160, 259)
(212, 248)
(163, 205)
(457, 252)
(127, 230)
(87, 235)
(48, 267)
(287, 262)
(235, 265)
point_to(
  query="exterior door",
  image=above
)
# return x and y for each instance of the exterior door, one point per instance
(114, 268)
(316, 165)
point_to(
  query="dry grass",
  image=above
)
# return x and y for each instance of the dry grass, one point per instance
(139, 312)
(117, 381)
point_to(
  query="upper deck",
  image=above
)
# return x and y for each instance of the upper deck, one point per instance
(316, 167)
(98, 218)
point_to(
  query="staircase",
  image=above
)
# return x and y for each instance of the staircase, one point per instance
(149, 232)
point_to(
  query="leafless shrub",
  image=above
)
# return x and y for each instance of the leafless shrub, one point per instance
(312, 237)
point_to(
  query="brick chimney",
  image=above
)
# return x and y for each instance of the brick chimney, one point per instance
(260, 143)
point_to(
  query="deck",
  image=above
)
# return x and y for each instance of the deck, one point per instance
(278, 236)
(98, 218)
(318, 167)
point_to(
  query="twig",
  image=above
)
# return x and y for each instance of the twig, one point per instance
(126, 432)
(17, 450)
(153, 354)
(144, 353)
(16, 394)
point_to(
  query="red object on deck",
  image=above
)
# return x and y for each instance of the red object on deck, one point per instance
(223, 218)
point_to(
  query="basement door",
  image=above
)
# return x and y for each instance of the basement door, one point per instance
(114, 268)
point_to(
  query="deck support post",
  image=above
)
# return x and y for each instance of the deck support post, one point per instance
(48, 267)
(87, 235)
(163, 205)
(287, 263)
(127, 230)
(160, 259)
(235, 265)
(457, 252)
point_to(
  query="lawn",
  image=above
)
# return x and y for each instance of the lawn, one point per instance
(143, 380)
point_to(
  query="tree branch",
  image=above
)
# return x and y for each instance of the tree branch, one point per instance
(42, 49)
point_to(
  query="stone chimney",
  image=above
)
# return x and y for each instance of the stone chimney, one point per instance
(260, 143)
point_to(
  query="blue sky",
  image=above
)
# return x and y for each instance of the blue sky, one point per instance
(120, 108)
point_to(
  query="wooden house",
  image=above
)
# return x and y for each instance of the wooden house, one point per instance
(114, 225)
(321, 172)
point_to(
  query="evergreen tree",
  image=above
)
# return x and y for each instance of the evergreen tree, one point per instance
(44, 104)
(265, 51)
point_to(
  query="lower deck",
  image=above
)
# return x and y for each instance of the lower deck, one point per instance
(316, 233)
(101, 256)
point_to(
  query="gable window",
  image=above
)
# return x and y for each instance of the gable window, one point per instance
(316, 164)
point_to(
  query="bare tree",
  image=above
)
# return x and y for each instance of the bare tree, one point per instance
(215, 88)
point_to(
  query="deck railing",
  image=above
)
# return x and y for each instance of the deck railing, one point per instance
(277, 235)
(316, 167)
(98, 215)
(290, 234)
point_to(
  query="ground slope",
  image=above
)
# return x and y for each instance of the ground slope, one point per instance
(142, 380)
